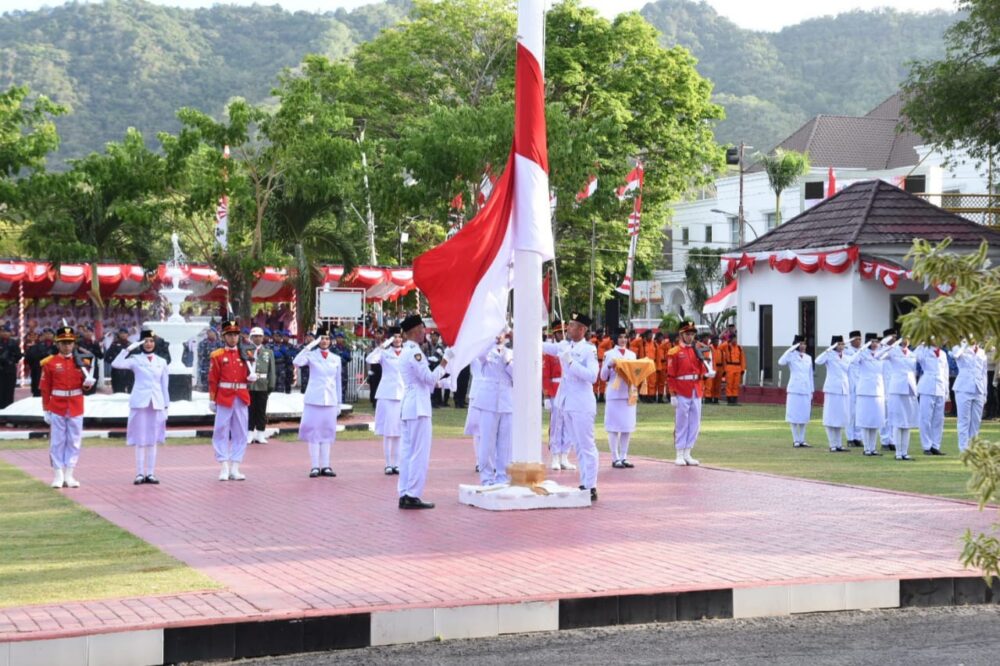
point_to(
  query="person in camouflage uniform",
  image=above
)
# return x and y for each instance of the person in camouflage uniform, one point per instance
(205, 349)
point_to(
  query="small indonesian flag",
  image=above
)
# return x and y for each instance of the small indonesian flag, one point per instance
(486, 185)
(458, 203)
(633, 182)
(222, 222)
(588, 190)
(831, 183)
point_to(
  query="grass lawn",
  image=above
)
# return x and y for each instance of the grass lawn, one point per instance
(54, 550)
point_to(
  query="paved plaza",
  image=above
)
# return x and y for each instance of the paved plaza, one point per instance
(286, 546)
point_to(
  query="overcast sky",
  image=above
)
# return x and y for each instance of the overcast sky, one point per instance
(770, 15)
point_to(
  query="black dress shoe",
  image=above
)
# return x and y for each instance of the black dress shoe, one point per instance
(139, 479)
(891, 447)
(627, 465)
(314, 472)
(593, 494)
(876, 453)
(936, 452)
(407, 502)
(152, 479)
(388, 470)
(617, 464)
(326, 471)
(395, 470)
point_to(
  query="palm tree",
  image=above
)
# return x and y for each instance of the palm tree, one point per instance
(783, 168)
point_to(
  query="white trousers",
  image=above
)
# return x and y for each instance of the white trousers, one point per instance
(414, 456)
(618, 444)
(687, 422)
(65, 439)
(970, 416)
(579, 426)
(229, 438)
(931, 421)
(833, 435)
(494, 448)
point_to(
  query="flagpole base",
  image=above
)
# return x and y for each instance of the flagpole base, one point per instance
(545, 495)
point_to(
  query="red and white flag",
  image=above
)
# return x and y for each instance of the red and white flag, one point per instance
(632, 182)
(635, 217)
(486, 185)
(831, 184)
(588, 190)
(626, 286)
(467, 279)
(222, 222)
(458, 203)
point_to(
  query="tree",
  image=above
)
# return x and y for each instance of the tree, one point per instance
(953, 101)
(108, 207)
(27, 136)
(971, 312)
(702, 272)
(783, 168)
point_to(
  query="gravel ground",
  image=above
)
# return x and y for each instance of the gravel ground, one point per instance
(967, 636)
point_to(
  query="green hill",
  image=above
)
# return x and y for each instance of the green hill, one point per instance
(131, 63)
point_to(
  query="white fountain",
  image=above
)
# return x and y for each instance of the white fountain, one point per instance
(175, 330)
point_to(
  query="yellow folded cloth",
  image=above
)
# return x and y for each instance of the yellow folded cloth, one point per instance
(634, 374)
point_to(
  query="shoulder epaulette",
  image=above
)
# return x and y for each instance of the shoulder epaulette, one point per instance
(47, 359)
(218, 352)
(673, 350)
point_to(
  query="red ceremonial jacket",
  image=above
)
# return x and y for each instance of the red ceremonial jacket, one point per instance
(551, 375)
(683, 361)
(228, 365)
(61, 373)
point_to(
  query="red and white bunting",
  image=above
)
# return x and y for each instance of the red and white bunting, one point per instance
(633, 182)
(625, 288)
(588, 190)
(635, 217)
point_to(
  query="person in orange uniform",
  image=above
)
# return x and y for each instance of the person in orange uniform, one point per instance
(713, 385)
(662, 386)
(686, 373)
(65, 377)
(644, 347)
(605, 345)
(735, 363)
(229, 374)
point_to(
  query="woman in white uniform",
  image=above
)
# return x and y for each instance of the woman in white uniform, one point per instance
(389, 397)
(870, 410)
(836, 392)
(318, 427)
(799, 391)
(148, 403)
(494, 400)
(619, 416)
(970, 390)
(903, 410)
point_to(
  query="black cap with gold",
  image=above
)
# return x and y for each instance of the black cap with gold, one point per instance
(871, 336)
(687, 327)
(581, 318)
(65, 334)
(854, 334)
(411, 323)
(799, 339)
(230, 326)
(146, 333)
(837, 339)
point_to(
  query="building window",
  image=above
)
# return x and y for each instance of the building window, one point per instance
(915, 184)
(685, 235)
(772, 220)
(815, 190)
(734, 229)
(708, 234)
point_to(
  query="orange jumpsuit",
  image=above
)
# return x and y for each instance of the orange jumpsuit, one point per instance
(604, 346)
(713, 385)
(735, 365)
(662, 386)
(649, 350)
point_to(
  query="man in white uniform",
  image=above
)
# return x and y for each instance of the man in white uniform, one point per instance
(970, 390)
(494, 398)
(933, 390)
(419, 381)
(575, 397)
(885, 433)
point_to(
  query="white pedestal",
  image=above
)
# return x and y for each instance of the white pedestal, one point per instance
(513, 498)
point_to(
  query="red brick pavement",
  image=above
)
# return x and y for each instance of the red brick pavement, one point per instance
(284, 544)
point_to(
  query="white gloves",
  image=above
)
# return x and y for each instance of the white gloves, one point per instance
(252, 377)
(508, 356)
(547, 404)
(89, 382)
(47, 416)
(710, 374)
(673, 400)
(387, 344)
(211, 407)
(135, 345)
(886, 339)
(312, 344)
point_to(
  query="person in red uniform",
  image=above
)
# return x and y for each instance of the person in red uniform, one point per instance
(65, 377)
(229, 374)
(686, 371)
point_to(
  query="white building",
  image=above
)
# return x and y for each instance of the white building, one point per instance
(856, 148)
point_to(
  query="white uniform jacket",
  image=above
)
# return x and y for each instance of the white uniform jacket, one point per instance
(151, 379)
(612, 392)
(418, 381)
(578, 361)
(870, 381)
(390, 387)
(971, 370)
(495, 382)
(800, 379)
(838, 366)
(903, 371)
(934, 381)
(324, 377)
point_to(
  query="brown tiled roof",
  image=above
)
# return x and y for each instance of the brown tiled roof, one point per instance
(872, 213)
(866, 142)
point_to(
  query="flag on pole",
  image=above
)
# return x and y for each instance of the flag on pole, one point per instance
(632, 182)
(635, 217)
(831, 183)
(486, 185)
(467, 279)
(626, 286)
(553, 202)
(222, 223)
(588, 190)
(547, 295)
(458, 203)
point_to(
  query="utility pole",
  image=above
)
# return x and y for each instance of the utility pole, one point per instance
(370, 221)
(593, 250)
(741, 222)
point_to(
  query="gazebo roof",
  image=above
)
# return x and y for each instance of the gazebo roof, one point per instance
(872, 214)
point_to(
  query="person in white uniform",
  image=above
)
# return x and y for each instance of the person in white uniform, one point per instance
(560, 443)
(494, 399)
(799, 391)
(472, 415)
(419, 381)
(932, 388)
(322, 400)
(148, 404)
(836, 392)
(575, 397)
(853, 432)
(870, 408)
(619, 415)
(902, 411)
(389, 397)
(970, 390)
(885, 433)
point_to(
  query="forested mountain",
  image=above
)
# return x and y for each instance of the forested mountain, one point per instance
(771, 83)
(131, 63)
